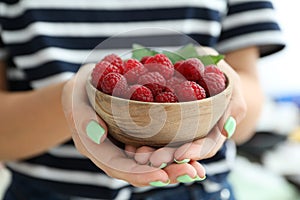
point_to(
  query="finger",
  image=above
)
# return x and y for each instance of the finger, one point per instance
(183, 173)
(142, 154)
(161, 157)
(113, 161)
(199, 168)
(130, 151)
(81, 116)
(202, 148)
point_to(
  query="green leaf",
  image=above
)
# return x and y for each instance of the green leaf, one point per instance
(139, 51)
(210, 59)
(187, 51)
(174, 57)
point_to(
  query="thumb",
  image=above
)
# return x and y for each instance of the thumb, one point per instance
(81, 117)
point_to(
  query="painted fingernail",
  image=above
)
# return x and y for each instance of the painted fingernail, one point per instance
(200, 178)
(185, 179)
(163, 165)
(182, 161)
(230, 126)
(94, 131)
(159, 183)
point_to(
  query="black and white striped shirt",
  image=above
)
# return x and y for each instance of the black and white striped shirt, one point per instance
(45, 42)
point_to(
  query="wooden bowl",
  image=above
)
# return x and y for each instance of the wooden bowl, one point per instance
(158, 124)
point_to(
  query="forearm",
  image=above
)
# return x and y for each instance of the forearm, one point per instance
(244, 62)
(254, 97)
(31, 122)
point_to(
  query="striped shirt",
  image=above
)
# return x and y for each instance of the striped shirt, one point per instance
(45, 42)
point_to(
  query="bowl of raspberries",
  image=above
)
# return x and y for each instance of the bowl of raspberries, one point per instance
(159, 98)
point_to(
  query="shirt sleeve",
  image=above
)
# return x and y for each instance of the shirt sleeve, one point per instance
(250, 23)
(3, 52)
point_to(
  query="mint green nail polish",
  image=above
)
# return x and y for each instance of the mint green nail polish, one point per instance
(163, 165)
(199, 179)
(185, 179)
(230, 126)
(159, 183)
(182, 161)
(94, 131)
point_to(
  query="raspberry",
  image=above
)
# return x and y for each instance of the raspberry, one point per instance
(133, 69)
(140, 93)
(189, 91)
(177, 64)
(154, 81)
(114, 83)
(166, 97)
(115, 60)
(213, 83)
(101, 69)
(214, 69)
(160, 63)
(192, 69)
(173, 82)
(143, 60)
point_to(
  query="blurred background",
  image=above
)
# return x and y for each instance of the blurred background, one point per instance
(267, 167)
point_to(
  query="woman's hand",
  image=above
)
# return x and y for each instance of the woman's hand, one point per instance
(89, 135)
(208, 146)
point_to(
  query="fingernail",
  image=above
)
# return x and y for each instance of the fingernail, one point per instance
(94, 131)
(230, 126)
(182, 161)
(185, 179)
(163, 165)
(159, 183)
(199, 178)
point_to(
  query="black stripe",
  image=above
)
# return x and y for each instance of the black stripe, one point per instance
(108, 16)
(50, 68)
(65, 163)
(248, 6)
(45, 186)
(89, 43)
(249, 28)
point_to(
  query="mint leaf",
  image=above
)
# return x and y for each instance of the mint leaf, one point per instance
(210, 59)
(174, 57)
(139, 51)
(188, 51)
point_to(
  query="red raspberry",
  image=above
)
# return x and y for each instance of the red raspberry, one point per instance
(173, 82)
(140, 93)
(192, 69)
(214, 69)
(143, 60)
(166, 97)
(213, 83)
(160, 63)
(177, 64)
(101, 69)
(114, 84)
(154, 81)
(189, 91)
(133, 69)
(115, 60)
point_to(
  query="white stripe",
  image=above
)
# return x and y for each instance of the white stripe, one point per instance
(110, 29)
(264, 38)
(67, 55)
(18, 9)
(68, 176)
(65, 151)
(263, 15)
(50, 80)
